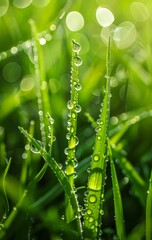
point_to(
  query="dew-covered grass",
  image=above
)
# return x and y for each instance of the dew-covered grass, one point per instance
(75, 122)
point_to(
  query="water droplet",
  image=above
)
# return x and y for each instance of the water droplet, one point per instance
(68, 136)
(78, 108)
(40, 113)
(96, 157)
(60, 165)
(101, 212)
(73, 115)
(92, 226)
(76, 46)
(77, 61)
(98, 137)
(73, 142)
(70, 105)
(91, 219)
(33, 149)
(78, 86)
(66, 151)
(14, 50)
(72, 129)
(92, 199)
(89, 211)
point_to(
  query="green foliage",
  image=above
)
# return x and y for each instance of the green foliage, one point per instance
(58, 182)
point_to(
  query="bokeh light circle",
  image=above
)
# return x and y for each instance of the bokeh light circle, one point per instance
(40, 3)
(125, 35)
(74, 21)
(22, 3)
(4, 4)
(104, 16)
(139, 11)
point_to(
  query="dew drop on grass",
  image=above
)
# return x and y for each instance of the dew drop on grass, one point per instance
(70, 105)
(73, 115)
(98, 137)
(33, 149)
(92, 199)
(89, 211)
(76, 46)
(78, 108)
(66, 151)
(60, 165)
(77, 61)
(78, 86)
(91, 219)
(96, 157)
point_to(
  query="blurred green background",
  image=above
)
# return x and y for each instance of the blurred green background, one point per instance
(131, 83)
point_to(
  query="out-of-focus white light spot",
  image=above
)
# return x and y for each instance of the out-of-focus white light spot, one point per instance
(27, 84)
(106, 33)
(104, 16)
(74, 21)
(139, 11)
(4, 4)
(114, 82)
(22, 3)
(40, 3)
(42, 41)
(124, 35)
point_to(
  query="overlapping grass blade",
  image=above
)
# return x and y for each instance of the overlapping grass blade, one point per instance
(70, 192)
(149, 211)
(95, 188)
(117, 199)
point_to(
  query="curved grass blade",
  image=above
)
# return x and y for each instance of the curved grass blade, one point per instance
(136, 180)
(95, 188)
(149, 211)
(6, 202)
(74, 109)
(70, 192)
(117, 199)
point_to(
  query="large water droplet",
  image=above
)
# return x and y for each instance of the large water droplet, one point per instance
(92, 199)
(77, 61)
(76, 46)
(78, 108)
(96, 157)
(89, 211)
(33, 149)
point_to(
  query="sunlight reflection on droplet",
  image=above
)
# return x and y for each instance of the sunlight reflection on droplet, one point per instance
(27, 83)
(4, 4)
(74, 21)
(104, 16)
(124, 35)
(139, 11)
(40, 3)
(22, 3)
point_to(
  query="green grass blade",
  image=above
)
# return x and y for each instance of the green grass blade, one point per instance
(74, 109)
(117, 199)
(149, 211)
(95, 189)
(41, 85)
(70, 192)
(6, 202)
(137, 182)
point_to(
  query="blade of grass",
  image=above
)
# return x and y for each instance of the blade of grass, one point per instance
(149, 211)
(70, 192)
(74, 109)
(95, 188)
(41, 84)
(117, 199)
(136, 180)
(6, 202)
